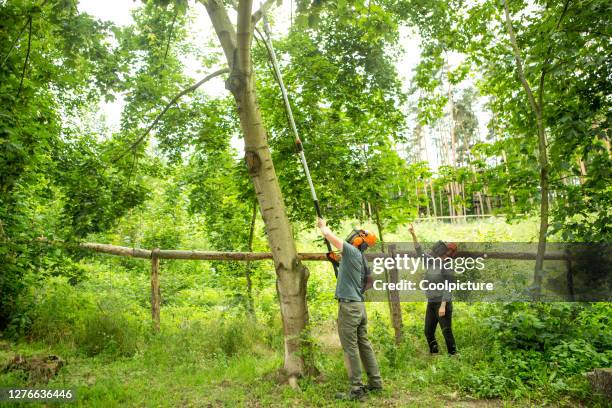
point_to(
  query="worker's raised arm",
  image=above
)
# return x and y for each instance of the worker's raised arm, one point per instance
(329, 235)
(417, 246)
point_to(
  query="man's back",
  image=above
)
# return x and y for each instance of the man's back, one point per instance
(350, 274)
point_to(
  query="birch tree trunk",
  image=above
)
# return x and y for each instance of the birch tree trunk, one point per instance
(292, 276)
(454, 186)
(433, 198)
(536, 107)
(503, 152)
(247, 267)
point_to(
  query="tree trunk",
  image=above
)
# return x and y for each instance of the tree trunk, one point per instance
(454, 185)
(418, 198)
(601, 381)
(155, 291)
(481, 209)
(395, 307)
(537, 108)
(395, 310)
(427, 200)
(488, 200)
(463, 209)
(544, 187)
(583, 171)
(247, 267)
(453, 139)
(292, 276)
(450, 198)
(512, 200)
(430, 182)
(433, 198)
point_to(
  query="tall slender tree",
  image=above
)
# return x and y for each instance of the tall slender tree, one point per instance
(292, 276)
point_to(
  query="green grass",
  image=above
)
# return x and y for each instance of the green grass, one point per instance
(242, 380)
(170, 371)
(182, 367)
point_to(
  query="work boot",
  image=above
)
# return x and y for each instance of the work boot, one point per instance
(373, 388)
(355, 394)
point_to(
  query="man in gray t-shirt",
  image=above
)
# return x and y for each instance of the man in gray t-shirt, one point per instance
(350, 274)
(352, 318)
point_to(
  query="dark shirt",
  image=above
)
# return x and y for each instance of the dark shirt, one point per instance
(435, 273)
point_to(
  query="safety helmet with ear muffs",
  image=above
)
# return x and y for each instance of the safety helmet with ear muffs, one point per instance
(361, 239)
(439, 248)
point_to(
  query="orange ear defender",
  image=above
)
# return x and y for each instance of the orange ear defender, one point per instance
(362, 239)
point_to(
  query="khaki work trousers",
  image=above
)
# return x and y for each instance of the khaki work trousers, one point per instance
(353, 332)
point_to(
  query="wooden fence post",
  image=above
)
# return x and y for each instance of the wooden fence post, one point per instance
(155, 292)
(570, 275)
(394, 300)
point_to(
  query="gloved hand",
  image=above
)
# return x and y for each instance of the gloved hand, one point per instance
(333, 257)
(323, 227)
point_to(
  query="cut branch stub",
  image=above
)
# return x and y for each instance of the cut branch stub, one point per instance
(253, 162)
(234, 83)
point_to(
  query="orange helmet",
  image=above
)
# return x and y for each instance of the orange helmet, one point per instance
(359, 237)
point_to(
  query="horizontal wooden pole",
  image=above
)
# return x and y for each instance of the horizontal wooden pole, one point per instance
(451, 217)
(524, 256)
(117, 250)
(192, 254)
(304, 256)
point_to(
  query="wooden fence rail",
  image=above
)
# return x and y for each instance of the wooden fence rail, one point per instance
(192, 254)
(304, 256)
(156, 254)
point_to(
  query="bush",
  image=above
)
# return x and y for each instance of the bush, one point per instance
(57, 310)
(545, 347)
(111, 332)
(383, 338)
(59, 313)
(543, 326)
(205, 337)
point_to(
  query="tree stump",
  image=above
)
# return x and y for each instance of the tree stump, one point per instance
(601, 381)
(38, 368)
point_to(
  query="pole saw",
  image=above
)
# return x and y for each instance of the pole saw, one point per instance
(298, 143)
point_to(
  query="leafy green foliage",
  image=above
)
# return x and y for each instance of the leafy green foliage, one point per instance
(64, 176)
(346, 99)
(42, 163)
(542, 345)
(564, 46)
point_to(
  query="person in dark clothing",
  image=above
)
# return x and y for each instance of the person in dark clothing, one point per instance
(439, 302)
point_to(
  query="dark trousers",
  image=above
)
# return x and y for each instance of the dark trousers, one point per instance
(431, 322)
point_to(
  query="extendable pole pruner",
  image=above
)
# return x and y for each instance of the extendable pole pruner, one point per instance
(298, 142)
